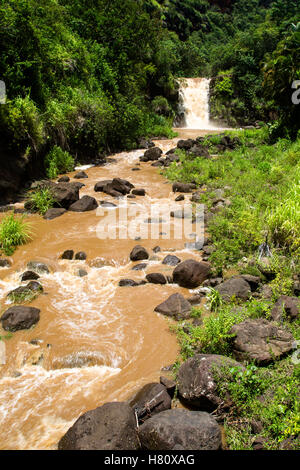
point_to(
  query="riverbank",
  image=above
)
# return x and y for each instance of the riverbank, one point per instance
(251, 193)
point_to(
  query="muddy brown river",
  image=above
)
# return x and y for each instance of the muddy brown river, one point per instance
(95, 341)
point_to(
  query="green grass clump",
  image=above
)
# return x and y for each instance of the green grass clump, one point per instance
(268, 395)
(14, 231)
(26, 296)
(41, 200)
(58, 161)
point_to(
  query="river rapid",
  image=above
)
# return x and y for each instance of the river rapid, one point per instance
(95, 342)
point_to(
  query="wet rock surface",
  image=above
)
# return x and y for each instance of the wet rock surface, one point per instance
(181, 430)
(19, 318)
(109, 427)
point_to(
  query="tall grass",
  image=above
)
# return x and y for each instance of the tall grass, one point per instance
(14, 231)
(41, 200)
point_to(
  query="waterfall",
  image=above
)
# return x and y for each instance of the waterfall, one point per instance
(194, 95)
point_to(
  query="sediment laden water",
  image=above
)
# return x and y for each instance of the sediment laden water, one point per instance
(95, 341)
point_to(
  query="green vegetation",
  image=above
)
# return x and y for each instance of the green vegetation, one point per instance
(267, 397)
(262, 182)
(41, 200)
(58, 161)
(26, 296)
(14, 231)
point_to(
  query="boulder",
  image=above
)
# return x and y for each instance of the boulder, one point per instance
(86, 203)
(139, 267)
(4, 263)
(64, 194)
(183, 187)
(128, 283)
(54, 213)
(63, 179)
(152, 154)
(121, 186)
(169, 384)
(175, 306)
(197, 380)
(29, 276)
(179, 198)
(38, 267)
(82, 273)
(253, 281)
(101, 185)
(171, 260)
(180, 429)
(139, 192)
(81, 175)
(199, 151)
(107, 204)
(109, 427)
(156, 278)
(234, 288)
(19, 318)
(191, 273)
(139, 253)
(153, 398)
(185, 144)
(68, 254)
(290, 306)
(81, 255)
(260, 341)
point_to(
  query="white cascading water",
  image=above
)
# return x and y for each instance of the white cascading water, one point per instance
(194, 94)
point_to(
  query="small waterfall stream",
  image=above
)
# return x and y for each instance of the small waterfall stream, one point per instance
(194, 93)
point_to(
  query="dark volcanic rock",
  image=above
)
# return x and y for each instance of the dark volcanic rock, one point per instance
(183, 187)
(4, 263)
(81, 255)
(191, 273)
(63, 179)
(197, 380)
(175, 306)
(139, 253)
(29, 276)
(54, 213)
(101, 185)
(128, 283)
(139, 192)
(86, 203)
(64, 194)
(235, 287)
(260, 341)
(152, 154)
(68, 254)
(109, 427)
(169, 384)
(185, 144)
(19, 318)
(151, 399)
(121, 186)
(38, 267)
(179, 429)
(139, 267)
(171, 260)
(81, 175)
(156, 278)
(290, 306)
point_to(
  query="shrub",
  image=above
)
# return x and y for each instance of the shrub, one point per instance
(14, 231)
(58, 161)
(41, 200)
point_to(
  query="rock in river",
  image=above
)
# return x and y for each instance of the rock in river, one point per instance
(19, 318)
(180, 429)
(175, 306)
(191, 273)
(109, 427)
